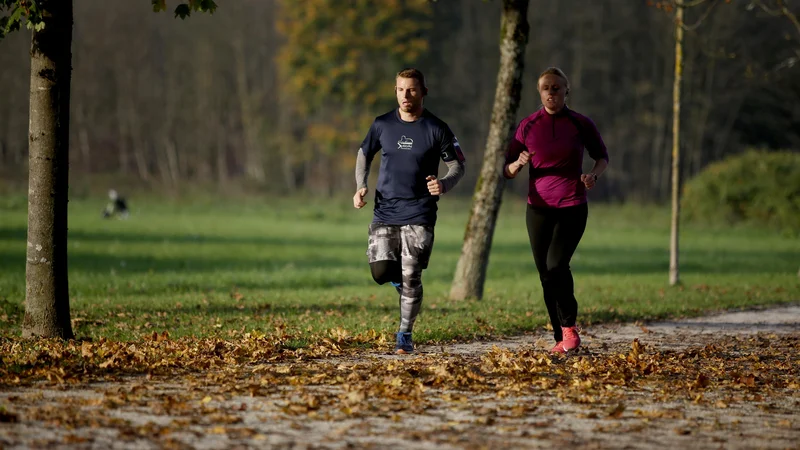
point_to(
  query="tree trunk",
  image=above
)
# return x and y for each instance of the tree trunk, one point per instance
(251, 125)
(221, 156)
(660, 153)
(471, 269)
(47, 293)
(171, 155)
(674, 277)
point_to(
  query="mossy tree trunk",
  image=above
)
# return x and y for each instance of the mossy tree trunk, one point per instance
(471, 269)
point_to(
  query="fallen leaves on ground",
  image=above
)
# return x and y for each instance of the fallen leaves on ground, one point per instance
(199, 381)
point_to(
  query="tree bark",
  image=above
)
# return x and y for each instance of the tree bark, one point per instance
(674, 273)
(470, 272)
(47, 287)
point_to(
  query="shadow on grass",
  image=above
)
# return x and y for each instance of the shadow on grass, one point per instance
(643, 261)
(124, 262)
(296, 315)
(126, 237)
(314, 252)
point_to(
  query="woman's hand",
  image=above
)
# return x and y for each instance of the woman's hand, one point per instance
(589, 179)
(513, 169)
(524, 158)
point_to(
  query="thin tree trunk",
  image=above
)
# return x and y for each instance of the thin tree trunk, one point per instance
(471, 269)
(171, 152)
(162, 162)
(125, 128)
(47, 286)
(251, 127)
(721, 139)
(85, 150)
(286, 144)
(674, 277)
(205, 146)
(659, 136)
(129, 125)
(288, 165)
(221, 156)
(141, 160)
(699, 153)
(123, 151)
(660, 152)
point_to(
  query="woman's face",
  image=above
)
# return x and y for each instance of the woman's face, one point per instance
(553, 91)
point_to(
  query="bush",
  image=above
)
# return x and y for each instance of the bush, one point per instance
(757, 186)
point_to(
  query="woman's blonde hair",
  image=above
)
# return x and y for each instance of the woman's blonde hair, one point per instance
(553, 71)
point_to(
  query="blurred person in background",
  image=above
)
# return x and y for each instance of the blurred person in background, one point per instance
(117, 206)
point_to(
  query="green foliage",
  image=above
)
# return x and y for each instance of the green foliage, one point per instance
(29, 12)
(339, 60)
(345, 51)
(20, 12)
(757, 186)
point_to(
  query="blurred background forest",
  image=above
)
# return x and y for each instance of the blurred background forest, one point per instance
(276, 95)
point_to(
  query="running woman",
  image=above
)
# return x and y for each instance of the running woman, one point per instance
(553, 140)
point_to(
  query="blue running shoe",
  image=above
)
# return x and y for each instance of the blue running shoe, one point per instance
(404, 345)
(398, 287)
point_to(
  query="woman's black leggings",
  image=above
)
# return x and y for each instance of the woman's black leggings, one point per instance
(554, 234)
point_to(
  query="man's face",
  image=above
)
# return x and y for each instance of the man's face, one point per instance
(409, 94)
(553, 91)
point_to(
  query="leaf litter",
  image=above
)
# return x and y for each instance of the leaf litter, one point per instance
(630, 386)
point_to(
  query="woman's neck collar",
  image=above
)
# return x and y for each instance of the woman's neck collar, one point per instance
(561, 111)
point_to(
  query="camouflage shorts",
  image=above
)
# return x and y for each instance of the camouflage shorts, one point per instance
(408, 244)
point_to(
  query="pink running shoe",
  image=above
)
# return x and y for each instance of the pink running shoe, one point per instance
(558, 348)
(571, 339)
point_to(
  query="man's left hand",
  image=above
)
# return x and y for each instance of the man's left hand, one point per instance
(435, 186)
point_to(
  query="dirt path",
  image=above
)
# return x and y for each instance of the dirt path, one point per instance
(723, 381)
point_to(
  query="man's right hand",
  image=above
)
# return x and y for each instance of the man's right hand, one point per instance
(358, 199)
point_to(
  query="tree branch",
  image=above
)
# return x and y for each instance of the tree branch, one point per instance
(791, 16)
(702, 18)
(690, 4)
(782, 10)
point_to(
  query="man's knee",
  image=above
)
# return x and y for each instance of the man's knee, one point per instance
(385, 271)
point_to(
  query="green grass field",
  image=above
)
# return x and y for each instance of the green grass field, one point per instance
(220, 269)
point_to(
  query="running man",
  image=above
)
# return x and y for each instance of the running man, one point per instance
(411, 141)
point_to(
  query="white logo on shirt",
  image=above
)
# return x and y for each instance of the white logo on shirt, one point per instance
(405, 143)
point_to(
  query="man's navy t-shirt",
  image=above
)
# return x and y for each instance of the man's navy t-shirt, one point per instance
(410, 152)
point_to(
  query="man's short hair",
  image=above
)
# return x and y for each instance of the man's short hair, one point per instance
(414, 74)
